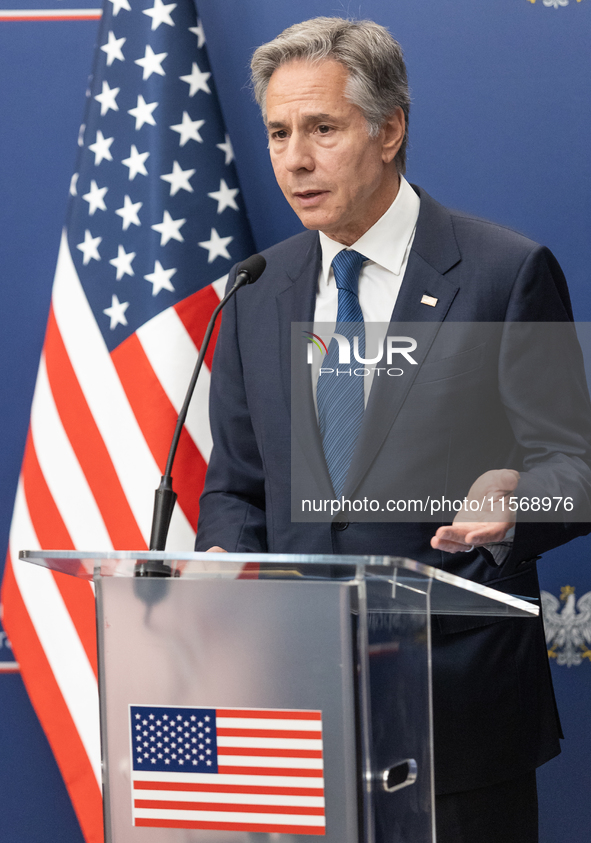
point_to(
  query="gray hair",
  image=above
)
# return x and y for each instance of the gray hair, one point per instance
(377, 82)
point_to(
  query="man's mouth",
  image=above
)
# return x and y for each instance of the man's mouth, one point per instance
(309, 197)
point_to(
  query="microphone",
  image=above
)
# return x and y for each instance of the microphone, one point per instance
(249, 271)
(165, 498)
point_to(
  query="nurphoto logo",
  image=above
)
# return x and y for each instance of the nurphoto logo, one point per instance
(386, 348)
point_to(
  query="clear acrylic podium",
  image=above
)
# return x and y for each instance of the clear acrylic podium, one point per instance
(254, 699)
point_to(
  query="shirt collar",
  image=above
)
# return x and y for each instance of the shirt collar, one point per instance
(387, 241)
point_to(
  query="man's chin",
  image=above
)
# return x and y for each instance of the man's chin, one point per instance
(316, 221)
(311, 218)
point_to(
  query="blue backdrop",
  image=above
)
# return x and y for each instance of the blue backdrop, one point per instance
(500, 126)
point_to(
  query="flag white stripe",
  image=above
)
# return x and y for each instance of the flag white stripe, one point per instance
(62, 472)
(267, 761)
(232, 798)
(90, 14)
(266, 723)
(229, 817)
(269, 743)
(57, 634)
(220, 286)
(173, 354)
(133, 461)
(231, 779)
(22, 532)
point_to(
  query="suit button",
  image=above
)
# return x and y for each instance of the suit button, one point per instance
(340, 525)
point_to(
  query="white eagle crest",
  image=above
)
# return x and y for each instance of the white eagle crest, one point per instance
(568, 631)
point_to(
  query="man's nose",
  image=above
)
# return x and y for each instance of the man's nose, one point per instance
(299, 155)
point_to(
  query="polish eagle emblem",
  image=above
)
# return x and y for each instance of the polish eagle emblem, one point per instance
(567, 623)
(556, 4)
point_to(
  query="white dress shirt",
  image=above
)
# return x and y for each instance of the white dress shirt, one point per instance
(386, 245)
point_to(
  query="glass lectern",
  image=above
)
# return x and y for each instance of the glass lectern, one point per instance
(250, 699)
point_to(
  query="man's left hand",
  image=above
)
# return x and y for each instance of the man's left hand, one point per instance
(489, 522)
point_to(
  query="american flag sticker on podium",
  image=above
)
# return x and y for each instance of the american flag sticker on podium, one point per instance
(226, 769)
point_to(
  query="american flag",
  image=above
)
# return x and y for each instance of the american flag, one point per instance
(227, 769)
(154, 224)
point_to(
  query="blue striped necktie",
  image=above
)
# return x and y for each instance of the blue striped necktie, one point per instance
(339, 394)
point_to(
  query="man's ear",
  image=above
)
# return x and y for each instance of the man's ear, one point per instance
(393, 135)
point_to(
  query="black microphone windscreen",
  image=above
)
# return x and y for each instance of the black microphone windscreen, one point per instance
(254, 266)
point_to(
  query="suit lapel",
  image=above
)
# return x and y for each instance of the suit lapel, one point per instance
(434, 251)
(296, 295)
(296, 299)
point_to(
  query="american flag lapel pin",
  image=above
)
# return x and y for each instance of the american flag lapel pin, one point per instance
(430, 300)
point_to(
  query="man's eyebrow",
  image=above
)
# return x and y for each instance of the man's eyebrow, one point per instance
(322, 116)
(308, 118)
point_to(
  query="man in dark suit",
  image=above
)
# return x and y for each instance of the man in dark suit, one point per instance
(335, 100)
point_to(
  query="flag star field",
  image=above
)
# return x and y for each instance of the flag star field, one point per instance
(156, 211)
(173, 739)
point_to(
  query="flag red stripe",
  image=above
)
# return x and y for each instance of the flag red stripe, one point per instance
(223, 806)
(250, 571)
(278, 829)
(230, 788)
(269, 753)
(152, 408)
(246, 732)
(157, 419)
(52, 711)
(45, 516)
(268, 771)
(272, 714)
(88, 445)
(195, 312)
(52, 532)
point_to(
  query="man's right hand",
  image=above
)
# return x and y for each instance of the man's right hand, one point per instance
(215, 549)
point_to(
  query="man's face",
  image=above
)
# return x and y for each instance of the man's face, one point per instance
(335, 177)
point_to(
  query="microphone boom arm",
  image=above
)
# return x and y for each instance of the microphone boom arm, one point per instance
(165, 496)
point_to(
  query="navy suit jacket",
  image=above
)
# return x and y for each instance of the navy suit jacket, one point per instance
(495, 715)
